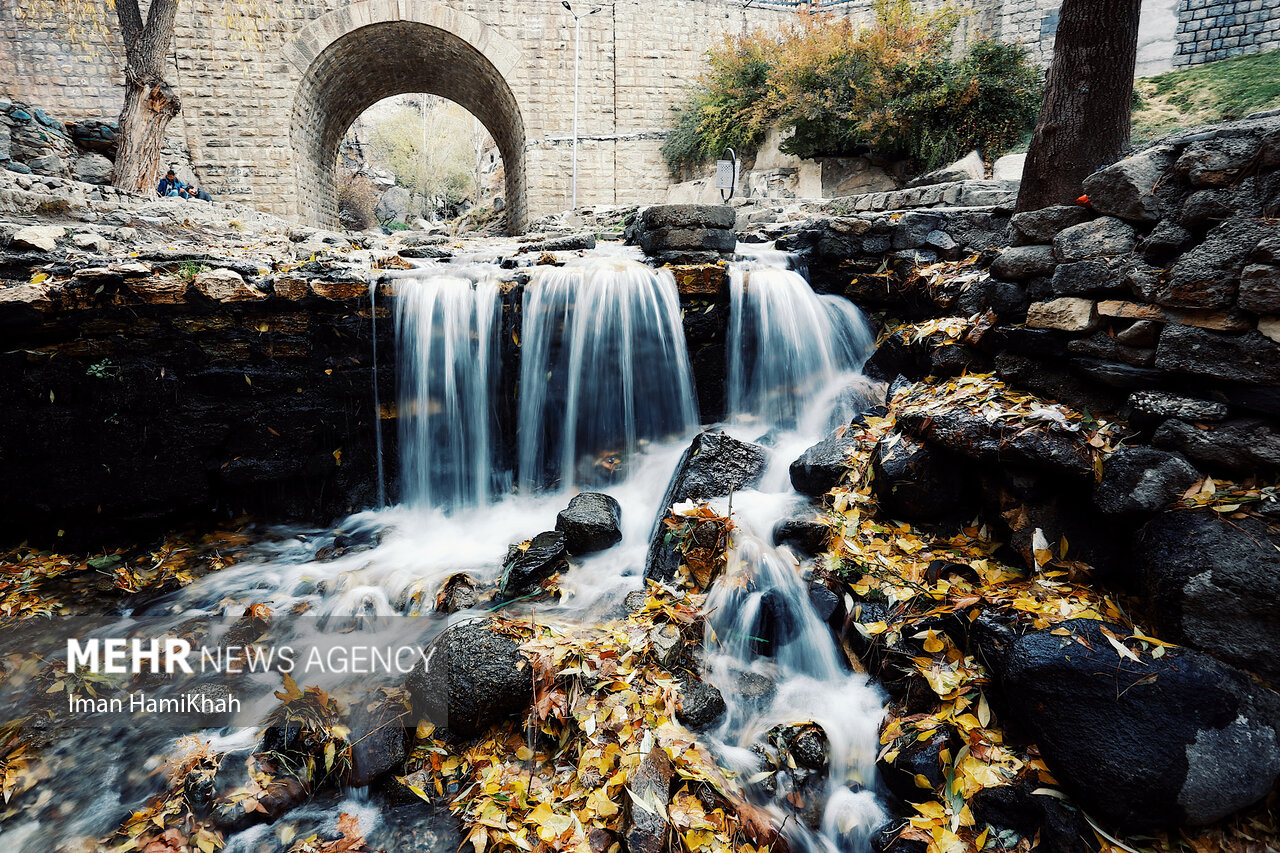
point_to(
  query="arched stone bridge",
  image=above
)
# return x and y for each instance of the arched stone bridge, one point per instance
(266, 128)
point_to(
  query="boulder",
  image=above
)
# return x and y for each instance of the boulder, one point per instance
(527, 567)
(968, 168)
(1009, 167)
(223, 285)
(592, 522)
(48, 164)
(379, 741)
(1251, 358)
(1157, 744)
(1243, 445)
(1164, 242)
(649, 787)
(1142, 480)
(40, 238)
(915, 481)
(804, 532)
(701, 704)
(93, 169)
(911, 758)
(896, 356)
(913, 229)
(1127, 189)
(1041, 226)
(393, 205)
(1208, 275)
(1104, 237)
(565, 243)
(1085, 278)
(969, 434)
(1021, 263)
(821, 468)
(473, 676)
(713, 466)
(1260, 288)
(1212, 583)
(1216, 162)
(685, 233)
(1153, 407)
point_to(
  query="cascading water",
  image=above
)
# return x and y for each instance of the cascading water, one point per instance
(603, 369)
(447, 328)
(786, 343)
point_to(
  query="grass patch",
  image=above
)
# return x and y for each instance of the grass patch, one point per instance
(1219, 91)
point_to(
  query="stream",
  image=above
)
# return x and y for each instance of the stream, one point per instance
(606, 403)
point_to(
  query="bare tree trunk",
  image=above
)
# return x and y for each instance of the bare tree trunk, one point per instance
(1084, 123)
(150, 103)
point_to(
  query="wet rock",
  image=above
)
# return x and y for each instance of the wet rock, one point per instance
(1244, 445)
(701, 705)
(425, 253)
(458, 593)
(1212, 583)
(827, 604)
(379, 740)
(970, 434)
(1105, 237)
(686, 233)
(894, 357)
(1127, 189)
(526, 568)
(1041, 226)
(1165, 241)
(1084, 278)
(915, 481)
(805, 533)
(283, 794)
(1021, 263)
(918, 758)
(1143, 479)
(1153, 407)
(1251, 358)
(1179, 740)
(473, 677)
(650, 783)
(1005, 299)
(1017, 809)
(667, 645)
(592, 522)
(567, 243)
(1142, 333)
(821, 468)
(713, 466)
(754, 688)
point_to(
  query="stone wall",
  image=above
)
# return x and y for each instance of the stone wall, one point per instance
(1209, 30)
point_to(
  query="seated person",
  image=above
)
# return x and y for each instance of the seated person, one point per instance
(170, 186)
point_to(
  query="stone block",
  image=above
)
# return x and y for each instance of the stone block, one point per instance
(1208, 276)
(224, 285)
(1068, 314)
(1250, 359)
(1106, 236)
(1127, 189)
(1130, 310)
(1041, 226)
(1021, 263)
(41, 238)
(1260, 288)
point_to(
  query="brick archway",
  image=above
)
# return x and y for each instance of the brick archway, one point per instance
(357, 55)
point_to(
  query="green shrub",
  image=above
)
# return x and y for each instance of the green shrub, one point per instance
(891, 87)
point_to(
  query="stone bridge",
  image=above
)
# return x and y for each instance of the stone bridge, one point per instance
(268, 96)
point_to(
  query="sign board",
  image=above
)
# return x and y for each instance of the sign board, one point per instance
(727, 175)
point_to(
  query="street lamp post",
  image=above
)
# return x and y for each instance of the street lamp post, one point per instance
(577, 54)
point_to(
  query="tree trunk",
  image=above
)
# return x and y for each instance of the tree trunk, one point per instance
(1084, 123)
(150, 103)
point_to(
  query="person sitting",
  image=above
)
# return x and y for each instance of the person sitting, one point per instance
(170, 186)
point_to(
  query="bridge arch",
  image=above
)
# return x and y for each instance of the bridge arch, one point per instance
(355, 56)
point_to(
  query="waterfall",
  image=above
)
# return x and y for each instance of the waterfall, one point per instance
(786, 342)
(447, 332)
(377, 396)
(604, 370)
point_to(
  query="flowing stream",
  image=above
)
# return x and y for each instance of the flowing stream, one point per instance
(605, 402)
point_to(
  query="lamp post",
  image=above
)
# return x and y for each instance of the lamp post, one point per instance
(577, 32)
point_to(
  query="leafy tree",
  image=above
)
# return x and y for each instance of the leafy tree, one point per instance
(892, 87)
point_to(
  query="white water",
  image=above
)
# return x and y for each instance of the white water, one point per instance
(604, 370)
(786, 343)
(605, 378)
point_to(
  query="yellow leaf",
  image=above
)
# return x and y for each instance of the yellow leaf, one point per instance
(39, 277)
(922, 781)
(984, 711)
(932, 643)
(329, 751)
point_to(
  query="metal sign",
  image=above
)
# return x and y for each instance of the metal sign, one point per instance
(727, 175)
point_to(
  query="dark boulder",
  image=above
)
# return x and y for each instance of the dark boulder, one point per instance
(379, 740)
(1208, 275)
(1105, 237)
(1245, 445)
(1251, 358)
(804, 532)
(1128, 189)
(647, 827)
(472, 677)
(591, 522)
(1142, 479)
(713, 466)
(1041, 226)
(1020, 263)
(701, 705)
(911, 757)
(1151, 408)
(821, 468)
(970, 434)
(896, 356)
(1213, 583)
(915, 481)
(526, 568)
(1172, 741)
